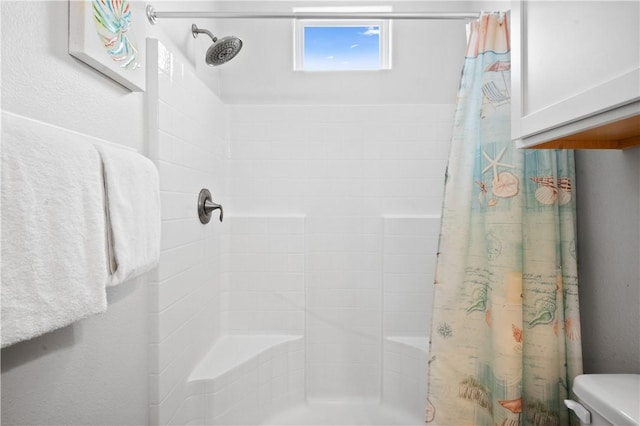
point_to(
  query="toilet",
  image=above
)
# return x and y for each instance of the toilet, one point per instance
(606, 399)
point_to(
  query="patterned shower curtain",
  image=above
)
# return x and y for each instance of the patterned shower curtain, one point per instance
(505, 341)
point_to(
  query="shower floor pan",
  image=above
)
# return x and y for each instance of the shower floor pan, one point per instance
(260, 380)
(404, 392)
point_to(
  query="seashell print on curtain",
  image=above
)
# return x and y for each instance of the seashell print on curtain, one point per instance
(505, 344)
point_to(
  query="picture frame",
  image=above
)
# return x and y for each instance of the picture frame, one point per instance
(109, 36)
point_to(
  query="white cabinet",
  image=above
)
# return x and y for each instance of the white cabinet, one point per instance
(575, 68)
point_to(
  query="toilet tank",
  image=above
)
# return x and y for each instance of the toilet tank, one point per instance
(607, 399)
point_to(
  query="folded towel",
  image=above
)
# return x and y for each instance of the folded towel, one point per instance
(54, 266)
(133, 213)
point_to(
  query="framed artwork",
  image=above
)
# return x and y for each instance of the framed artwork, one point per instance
(108, 35)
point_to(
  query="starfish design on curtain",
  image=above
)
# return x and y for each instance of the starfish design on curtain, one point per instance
(494, 163)
(504, 184)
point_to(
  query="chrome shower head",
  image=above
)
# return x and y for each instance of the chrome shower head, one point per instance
(222, 50)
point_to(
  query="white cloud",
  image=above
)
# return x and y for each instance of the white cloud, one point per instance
(331, 57)
(354, 45)
(372, 31)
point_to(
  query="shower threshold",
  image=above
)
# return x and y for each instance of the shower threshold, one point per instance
(344, 413)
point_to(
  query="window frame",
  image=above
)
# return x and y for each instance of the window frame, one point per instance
(384, 40)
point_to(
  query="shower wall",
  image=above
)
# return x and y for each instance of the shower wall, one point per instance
(368, 179)
(410, 244)
(263, 272)
(186, 131)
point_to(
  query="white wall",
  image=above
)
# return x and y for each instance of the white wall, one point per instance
(187, 130)
(608, 197)
(345, 167)
(410, 245)
(263, 267)
(41, 80)
(426, 56)
(94, 371)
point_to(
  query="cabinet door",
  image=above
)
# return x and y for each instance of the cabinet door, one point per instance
(573, 60)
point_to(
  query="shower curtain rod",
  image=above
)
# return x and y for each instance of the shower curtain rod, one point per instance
(153, 15)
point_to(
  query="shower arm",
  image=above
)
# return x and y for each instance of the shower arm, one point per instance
(153, 15)
(195, 31)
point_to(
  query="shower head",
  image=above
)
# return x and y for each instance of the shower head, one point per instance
(222, 50)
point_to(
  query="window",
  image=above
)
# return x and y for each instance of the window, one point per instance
(342, 45)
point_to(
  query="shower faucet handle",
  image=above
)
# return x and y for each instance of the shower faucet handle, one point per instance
(210, 206)
(206, 206)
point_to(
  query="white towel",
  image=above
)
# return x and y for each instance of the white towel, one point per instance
(133, 213)
(54, 266)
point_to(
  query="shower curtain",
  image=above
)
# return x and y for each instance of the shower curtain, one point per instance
(505, 341)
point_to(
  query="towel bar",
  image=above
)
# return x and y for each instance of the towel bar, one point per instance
(206, 206)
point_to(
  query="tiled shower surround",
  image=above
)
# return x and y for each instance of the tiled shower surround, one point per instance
(263, 266)
(329, 241)
(369, 180)
(186, 140)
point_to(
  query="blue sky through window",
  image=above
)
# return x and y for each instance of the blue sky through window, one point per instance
(328, 48)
